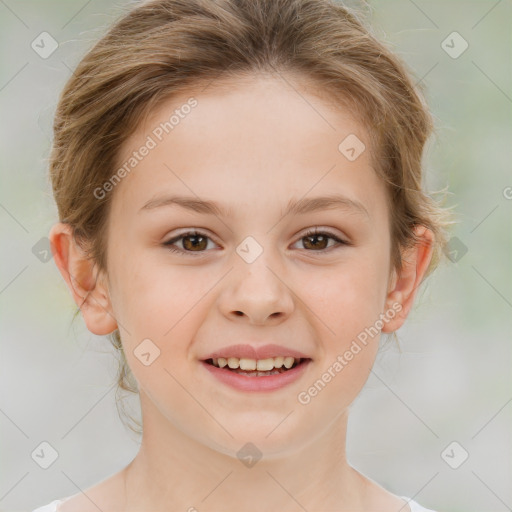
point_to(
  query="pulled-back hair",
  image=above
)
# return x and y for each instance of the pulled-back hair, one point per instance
(162, 48)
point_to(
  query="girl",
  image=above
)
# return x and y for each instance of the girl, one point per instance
(239, 192)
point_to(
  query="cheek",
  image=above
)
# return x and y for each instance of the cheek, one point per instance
(162, 309)
(348, 352)
(348, 304)
(349, 298)
(165, 304)
(151, 297)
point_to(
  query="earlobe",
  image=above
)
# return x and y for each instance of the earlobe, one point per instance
(86, 285)
(405, 282)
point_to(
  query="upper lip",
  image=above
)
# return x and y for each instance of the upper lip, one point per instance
(256, 352)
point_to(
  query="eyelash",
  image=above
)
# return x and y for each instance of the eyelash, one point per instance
(313, 232)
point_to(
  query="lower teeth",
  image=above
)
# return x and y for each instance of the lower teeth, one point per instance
(254, 373)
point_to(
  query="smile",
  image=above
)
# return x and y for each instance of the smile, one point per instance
(256, 374)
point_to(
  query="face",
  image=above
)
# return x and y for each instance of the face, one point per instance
(251, 272)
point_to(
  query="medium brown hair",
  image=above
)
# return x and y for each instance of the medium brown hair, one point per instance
(160, 48)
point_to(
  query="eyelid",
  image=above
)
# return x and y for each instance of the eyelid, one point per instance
(192, 231)
(319, 230)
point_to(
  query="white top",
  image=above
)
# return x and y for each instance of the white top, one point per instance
(53, 506)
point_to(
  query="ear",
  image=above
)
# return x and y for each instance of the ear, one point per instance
(88, 288)
(404, 283)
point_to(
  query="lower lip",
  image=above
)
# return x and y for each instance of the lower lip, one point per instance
(266, 383)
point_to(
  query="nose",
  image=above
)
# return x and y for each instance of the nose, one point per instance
(257, 293)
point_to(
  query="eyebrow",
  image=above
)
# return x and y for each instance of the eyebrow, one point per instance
(294, 207)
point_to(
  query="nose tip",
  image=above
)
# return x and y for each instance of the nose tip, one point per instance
(257, 295)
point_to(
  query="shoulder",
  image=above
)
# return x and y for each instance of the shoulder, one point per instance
(379, 498)
(416, 507)
(108, 494)
(51, 507)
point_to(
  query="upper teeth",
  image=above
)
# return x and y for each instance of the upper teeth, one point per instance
(255, 364)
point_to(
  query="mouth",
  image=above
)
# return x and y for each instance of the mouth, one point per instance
(257, 368)
(262, 375)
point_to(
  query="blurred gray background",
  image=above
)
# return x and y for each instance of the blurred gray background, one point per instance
(451, 380)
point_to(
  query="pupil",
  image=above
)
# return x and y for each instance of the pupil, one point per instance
(193, 244)
(323, 239)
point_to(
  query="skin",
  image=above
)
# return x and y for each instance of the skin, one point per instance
(250, 146)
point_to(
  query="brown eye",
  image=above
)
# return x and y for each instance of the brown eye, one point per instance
(318, 241)
(192, 242)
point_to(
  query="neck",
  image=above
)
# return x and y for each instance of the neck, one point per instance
(174, 471)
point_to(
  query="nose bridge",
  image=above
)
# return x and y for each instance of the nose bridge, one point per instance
(259, 276)
(256, 274)
(256, 289)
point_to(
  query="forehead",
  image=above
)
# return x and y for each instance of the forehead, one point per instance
(255, 140)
